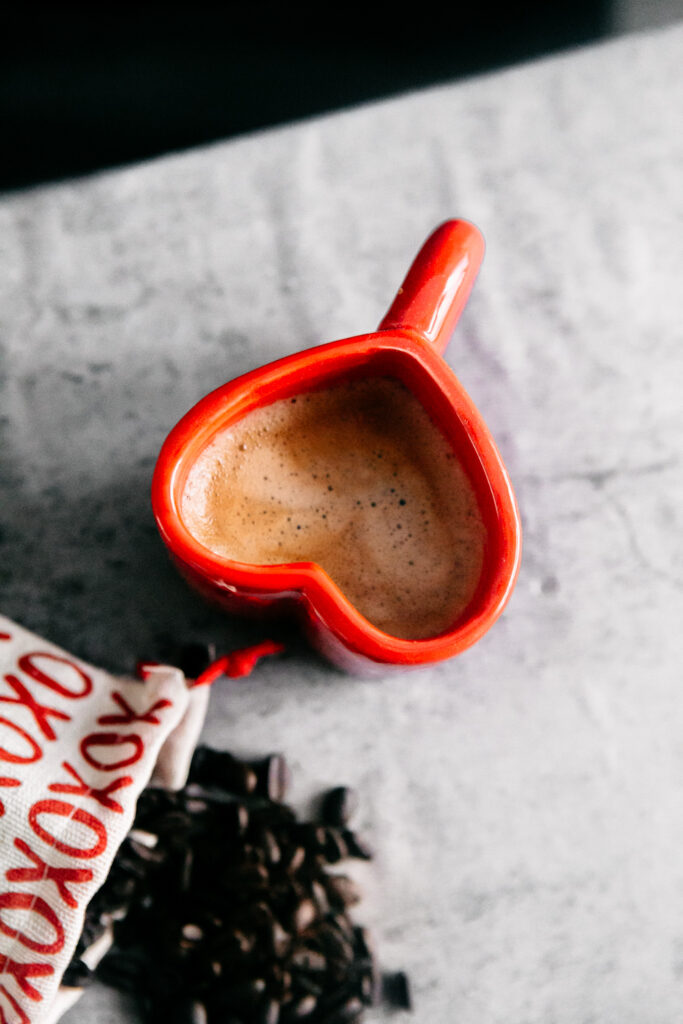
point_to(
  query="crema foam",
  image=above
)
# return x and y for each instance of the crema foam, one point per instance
(359, 479)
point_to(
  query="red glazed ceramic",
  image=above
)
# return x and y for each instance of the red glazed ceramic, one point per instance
(406, 347)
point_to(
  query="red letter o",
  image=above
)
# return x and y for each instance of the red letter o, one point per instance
(65, 810)
(27, 666)
(111, 739)
(25, 901)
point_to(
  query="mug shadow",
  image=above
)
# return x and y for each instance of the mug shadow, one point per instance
(88, 571)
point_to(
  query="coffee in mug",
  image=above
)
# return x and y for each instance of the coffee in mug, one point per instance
(357, 478)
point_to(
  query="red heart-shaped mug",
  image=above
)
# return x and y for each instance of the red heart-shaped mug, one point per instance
(359, 373)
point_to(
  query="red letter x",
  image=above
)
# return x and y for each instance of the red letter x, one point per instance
(21, 1017)
(40, 712)
(83, 789)
(129, 715)
(60, 876)
(23, 971)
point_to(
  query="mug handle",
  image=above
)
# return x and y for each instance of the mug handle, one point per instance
(432, 297)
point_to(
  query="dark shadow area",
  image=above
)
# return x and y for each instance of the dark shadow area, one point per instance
(88, 87)
(96, 579)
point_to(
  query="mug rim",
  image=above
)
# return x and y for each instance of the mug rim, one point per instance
(307, 582)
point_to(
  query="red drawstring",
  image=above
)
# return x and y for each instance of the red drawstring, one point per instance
(237, 663)
(234, 665)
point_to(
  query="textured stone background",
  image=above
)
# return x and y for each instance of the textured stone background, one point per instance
(525, 799)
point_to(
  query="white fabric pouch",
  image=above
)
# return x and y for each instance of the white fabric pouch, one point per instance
(77, 746)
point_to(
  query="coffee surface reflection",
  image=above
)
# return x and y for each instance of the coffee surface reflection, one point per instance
(359, 479)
